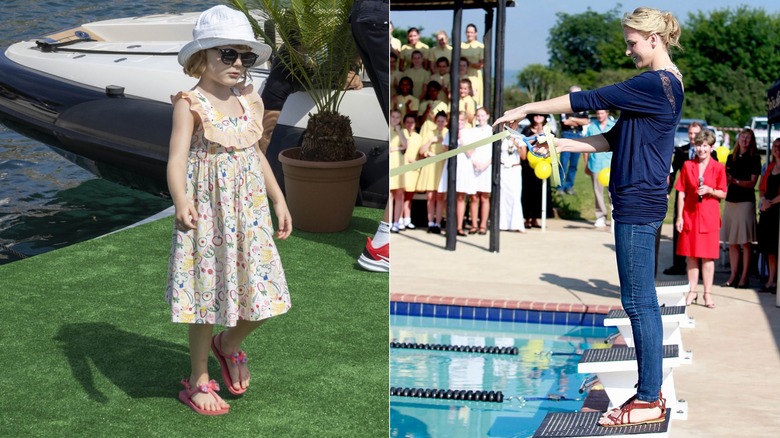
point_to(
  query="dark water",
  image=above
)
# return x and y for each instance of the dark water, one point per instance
(46, 202)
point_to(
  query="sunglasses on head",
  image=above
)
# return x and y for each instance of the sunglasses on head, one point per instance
(229, 56)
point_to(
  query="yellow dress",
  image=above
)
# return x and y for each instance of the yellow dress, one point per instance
(400, 104)
(429, 125)
(474, 52)
(396, 160)
(430, 175)
(413, 143)
(468, 100)
(419, 77)
(434, 53)
(407, 50)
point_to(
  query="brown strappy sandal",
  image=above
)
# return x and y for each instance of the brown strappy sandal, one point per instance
(617, 415)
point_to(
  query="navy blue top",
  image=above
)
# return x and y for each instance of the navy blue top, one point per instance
(642, 141)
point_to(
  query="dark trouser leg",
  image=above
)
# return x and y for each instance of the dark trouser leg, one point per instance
(370, 28)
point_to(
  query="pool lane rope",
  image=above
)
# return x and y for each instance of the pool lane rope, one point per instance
(456, 348)
(471, 395)
(449, 394)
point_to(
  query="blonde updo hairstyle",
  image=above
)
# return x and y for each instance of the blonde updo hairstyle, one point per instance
(661, 23)
(196, 64)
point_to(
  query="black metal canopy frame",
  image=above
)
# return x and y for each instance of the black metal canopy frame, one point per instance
(494, 105)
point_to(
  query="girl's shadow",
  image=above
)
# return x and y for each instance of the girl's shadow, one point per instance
(139, 365)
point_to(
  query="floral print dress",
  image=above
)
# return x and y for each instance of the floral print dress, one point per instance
(228, 268)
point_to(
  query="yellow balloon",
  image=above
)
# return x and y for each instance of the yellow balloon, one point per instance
(543, 170)
(723, 154)
(532, 160)
(603, 177)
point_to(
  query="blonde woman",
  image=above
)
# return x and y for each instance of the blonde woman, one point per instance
(642, 142)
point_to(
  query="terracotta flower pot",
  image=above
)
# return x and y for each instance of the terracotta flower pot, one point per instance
(320, 195)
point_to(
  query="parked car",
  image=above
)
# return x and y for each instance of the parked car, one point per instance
(760, 127)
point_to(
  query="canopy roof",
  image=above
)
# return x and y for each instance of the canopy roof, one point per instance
(448, 5)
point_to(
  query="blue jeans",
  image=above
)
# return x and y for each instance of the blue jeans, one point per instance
(569, 161)
(635, 252)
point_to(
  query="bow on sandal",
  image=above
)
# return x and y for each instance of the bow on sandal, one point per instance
(234, 358)
(618, 415)
(185, 396)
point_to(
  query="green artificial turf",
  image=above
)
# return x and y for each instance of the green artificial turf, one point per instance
(88, 348)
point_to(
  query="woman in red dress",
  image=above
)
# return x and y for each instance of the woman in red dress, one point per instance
(701, 186)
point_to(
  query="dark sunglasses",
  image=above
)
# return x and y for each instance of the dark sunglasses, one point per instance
(229, 56)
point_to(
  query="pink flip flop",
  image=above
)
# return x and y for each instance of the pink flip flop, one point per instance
(185, 396)
(235, 359)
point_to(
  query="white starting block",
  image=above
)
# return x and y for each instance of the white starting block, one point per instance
(674, 293)
(616, 369)
(585, 424)
(672, 319)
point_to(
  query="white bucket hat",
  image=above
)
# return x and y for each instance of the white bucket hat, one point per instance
(222, 26)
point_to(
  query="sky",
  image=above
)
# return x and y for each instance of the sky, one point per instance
(528, 23)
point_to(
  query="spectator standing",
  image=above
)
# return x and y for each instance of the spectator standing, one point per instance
(442, 76)
(571, 127)
(596, 162)
(429, 108)
(430, 175)
(680, 156)
(395, 43)
(481, 161)
(413, 43)
(474, 52)
(413, 143)
(512, 153)
(404, 101)
(464, 178)
(397, 147)
(442, 49)
(701, 186)
(743, 168)
(418, 74)
(466, 102)
(769, 220)
(531, 197)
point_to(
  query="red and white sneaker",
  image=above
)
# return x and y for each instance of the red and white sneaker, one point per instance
(375, 259)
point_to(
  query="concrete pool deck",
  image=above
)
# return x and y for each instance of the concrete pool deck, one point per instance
(732, 386)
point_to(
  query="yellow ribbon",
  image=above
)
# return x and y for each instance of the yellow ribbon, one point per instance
(451, 153)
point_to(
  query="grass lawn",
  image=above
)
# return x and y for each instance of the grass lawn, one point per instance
(89, 349)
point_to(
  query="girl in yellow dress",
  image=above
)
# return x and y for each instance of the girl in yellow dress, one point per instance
(430, 175)
(474, 51)
(397, 149)
(413, 143)
(466, 103)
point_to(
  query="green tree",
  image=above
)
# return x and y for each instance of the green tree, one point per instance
(539, 82)
(730, 59)
(587, 41)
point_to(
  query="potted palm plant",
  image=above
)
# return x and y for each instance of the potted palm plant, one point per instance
(322, 175)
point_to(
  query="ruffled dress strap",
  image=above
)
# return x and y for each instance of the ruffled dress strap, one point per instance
(240, 132)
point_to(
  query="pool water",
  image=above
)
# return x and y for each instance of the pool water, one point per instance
(542, 378)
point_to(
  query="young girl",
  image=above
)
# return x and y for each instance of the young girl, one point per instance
(397, 149)
(404, 101)
(224, 267)
(413, 143)
(429, 108)
(430, 175)
(466, 103)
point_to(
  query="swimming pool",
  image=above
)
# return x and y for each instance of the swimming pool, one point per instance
(542, 378)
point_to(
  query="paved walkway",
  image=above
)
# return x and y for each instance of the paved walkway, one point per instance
(733, 385)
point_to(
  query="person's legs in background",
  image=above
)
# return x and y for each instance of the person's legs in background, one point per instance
(370, 28)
